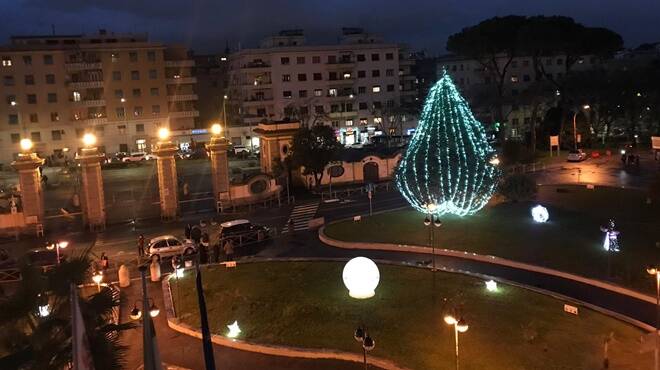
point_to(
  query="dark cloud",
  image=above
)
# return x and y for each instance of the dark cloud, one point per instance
(206, 24)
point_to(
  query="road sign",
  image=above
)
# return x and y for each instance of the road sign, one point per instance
(571, 309)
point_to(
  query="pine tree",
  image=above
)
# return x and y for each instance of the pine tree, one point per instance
(449, 166)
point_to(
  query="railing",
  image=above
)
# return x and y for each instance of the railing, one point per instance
(91, 102)
(77, 66)
(85, 84)
(184, 114)
(179, 63)
(182, 97)
(256, 65)
(326, 193)
(94, 121)
(181, 80)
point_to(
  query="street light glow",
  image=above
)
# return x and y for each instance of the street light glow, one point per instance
(462, 326)
(540, 214)
(26, 145)
(450, 320)
(216, 129)
(89, 139)
(153, 310)
(163, 133)
(491, 286)
(586, 107)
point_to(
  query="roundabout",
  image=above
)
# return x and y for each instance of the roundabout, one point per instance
(304, 304)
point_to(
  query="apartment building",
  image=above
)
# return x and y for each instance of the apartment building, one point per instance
(212, 73)
(475, 83)
(121, 87)
(356, 86)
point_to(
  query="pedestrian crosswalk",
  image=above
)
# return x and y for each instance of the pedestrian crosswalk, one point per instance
(301, 215)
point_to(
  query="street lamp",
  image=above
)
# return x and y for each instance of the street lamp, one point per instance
(224, 110)
(655, 271)
(460, 326)
(98, 278)
(367, 342)
(435, 220)
(136, 313)
(585, 107)
(57, 246)
(216, 129)
(163, 133)
(26, 145)
(89, 140)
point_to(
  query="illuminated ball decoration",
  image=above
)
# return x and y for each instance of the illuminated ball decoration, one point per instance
(361, 277)
(540, 214)
(449, 162)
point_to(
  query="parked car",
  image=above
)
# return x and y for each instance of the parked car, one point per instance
(243, 231)
(168, 246)
(43, 258)
(576, 156)
(240, 149)
(135, 157)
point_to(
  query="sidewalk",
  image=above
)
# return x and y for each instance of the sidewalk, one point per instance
(184, 351)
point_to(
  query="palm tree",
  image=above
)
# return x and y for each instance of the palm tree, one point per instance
(36, 339)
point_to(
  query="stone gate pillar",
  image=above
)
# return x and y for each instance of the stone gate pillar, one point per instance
(167, 178)
(219, 164)
(32, 196)
(92, 200)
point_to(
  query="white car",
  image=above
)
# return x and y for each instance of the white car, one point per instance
(576, 156)
(135, 157)
(238, 149)
(168, 246)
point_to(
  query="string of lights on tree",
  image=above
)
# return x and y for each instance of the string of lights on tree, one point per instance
(449, 166)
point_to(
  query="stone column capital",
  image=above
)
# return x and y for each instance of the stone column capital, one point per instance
(27, 161)
(90, 156)
(165, 149)
(218, 144)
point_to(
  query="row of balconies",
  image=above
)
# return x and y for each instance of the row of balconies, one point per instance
(80, 66)
(180, 63)
(181, 80)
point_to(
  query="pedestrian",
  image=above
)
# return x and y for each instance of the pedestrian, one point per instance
(176, 263)
(203, 248)
(216, 252)
(196, 234)
(140, 245)
(187, 231)
(104, 261)
(229, 249)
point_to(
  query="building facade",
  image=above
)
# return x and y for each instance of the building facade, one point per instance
(212, 76)
(121, 87)
(478, 86)
(357, 86)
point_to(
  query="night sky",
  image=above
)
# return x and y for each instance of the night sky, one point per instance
(205, 25)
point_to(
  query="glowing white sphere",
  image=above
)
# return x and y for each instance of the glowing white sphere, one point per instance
(361, 277)
(540, 213)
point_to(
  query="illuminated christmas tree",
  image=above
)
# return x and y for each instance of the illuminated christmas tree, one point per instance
(449, 166)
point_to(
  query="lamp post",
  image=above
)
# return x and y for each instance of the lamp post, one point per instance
(224, 110)
(460, 326)
(57, 246)
(655, 271)
(435, 220)
(362, 336)
(136, 313)
(585, 107)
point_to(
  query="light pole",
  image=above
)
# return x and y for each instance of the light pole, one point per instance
(362, 337)
(655, 271)
(460, 326)
(435, 220)
(585, 107)
(224, 112)
(57, 246)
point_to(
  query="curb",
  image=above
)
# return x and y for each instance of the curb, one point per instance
(283, 351)
(483, 258)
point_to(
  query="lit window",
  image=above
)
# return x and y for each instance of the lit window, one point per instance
(318, 92)
(363, 121)
(347, 75)
(378, 120)
(375, 89)
(332, 92)
(76, 96)
(6, 62)
(349, 122)
(514, 78)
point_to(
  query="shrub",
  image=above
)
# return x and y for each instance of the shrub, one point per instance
(518, 187)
